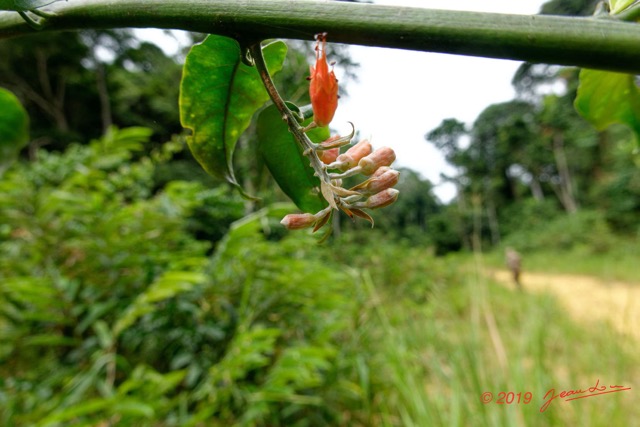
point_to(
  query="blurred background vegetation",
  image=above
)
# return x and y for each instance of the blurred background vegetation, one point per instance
(136, 290)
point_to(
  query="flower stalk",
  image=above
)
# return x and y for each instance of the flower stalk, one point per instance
(308, 147)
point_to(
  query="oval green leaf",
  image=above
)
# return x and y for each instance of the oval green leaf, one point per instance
(218, 96)
(605, 98)
(284, 159)
(14, 128)
(23, 5)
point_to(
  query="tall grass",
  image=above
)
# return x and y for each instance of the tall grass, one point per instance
(475, 336)
(581, 243)
(618, 264)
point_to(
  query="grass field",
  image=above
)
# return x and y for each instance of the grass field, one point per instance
(476, 336)
(619, 263)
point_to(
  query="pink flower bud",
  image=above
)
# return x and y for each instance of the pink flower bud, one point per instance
(329, 156)
(298, 221)
(380, 171)
(383, 156)
(380, 181)
(353, 155)
(382, 199)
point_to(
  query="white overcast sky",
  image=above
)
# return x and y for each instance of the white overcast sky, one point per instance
(401, 95)
(426, 88)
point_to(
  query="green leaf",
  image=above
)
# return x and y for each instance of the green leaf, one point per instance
(218, 96)
(50, 340)
(618, 6)
(249, 350)
(605, 98)
(167, 286)
(102, 331)
(284, 159)
(14, 128)
(133, 408)
(23, 5)
(91, 406)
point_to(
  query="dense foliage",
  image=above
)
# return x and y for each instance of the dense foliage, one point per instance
(106, 288)
(111, 310)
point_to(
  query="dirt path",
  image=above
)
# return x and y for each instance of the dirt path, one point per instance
(587, 298)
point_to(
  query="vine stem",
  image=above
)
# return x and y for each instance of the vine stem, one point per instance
(606, 44)
(308, 147)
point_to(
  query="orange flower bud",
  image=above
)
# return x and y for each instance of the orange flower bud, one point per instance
(324, 86)
(329, 156)
(298, 221)
(379, 181)
(383, 156)
(382, 199)
(353, 155)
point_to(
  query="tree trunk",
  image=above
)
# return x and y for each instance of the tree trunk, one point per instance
(476, 240)
(103, 94)
(492, 216)
(536, 189)
(51, 102)
(462, 208)
(566, 188)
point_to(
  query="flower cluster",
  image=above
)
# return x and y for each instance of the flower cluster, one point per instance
(376, 191)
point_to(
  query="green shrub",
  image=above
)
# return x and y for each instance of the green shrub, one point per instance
(111, 310)
(584, 230)
(82, 237)
(528, 214)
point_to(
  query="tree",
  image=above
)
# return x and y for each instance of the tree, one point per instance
(493, 161)
(44, 77)
(83, 82)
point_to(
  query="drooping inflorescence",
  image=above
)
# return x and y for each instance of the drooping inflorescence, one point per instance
(332, 167)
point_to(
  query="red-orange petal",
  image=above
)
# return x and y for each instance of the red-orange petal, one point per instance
(323, 89)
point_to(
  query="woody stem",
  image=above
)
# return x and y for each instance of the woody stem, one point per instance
(296, 129)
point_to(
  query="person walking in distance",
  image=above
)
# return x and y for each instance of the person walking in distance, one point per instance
(514, 263)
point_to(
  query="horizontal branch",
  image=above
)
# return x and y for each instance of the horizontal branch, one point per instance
(586, 42)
